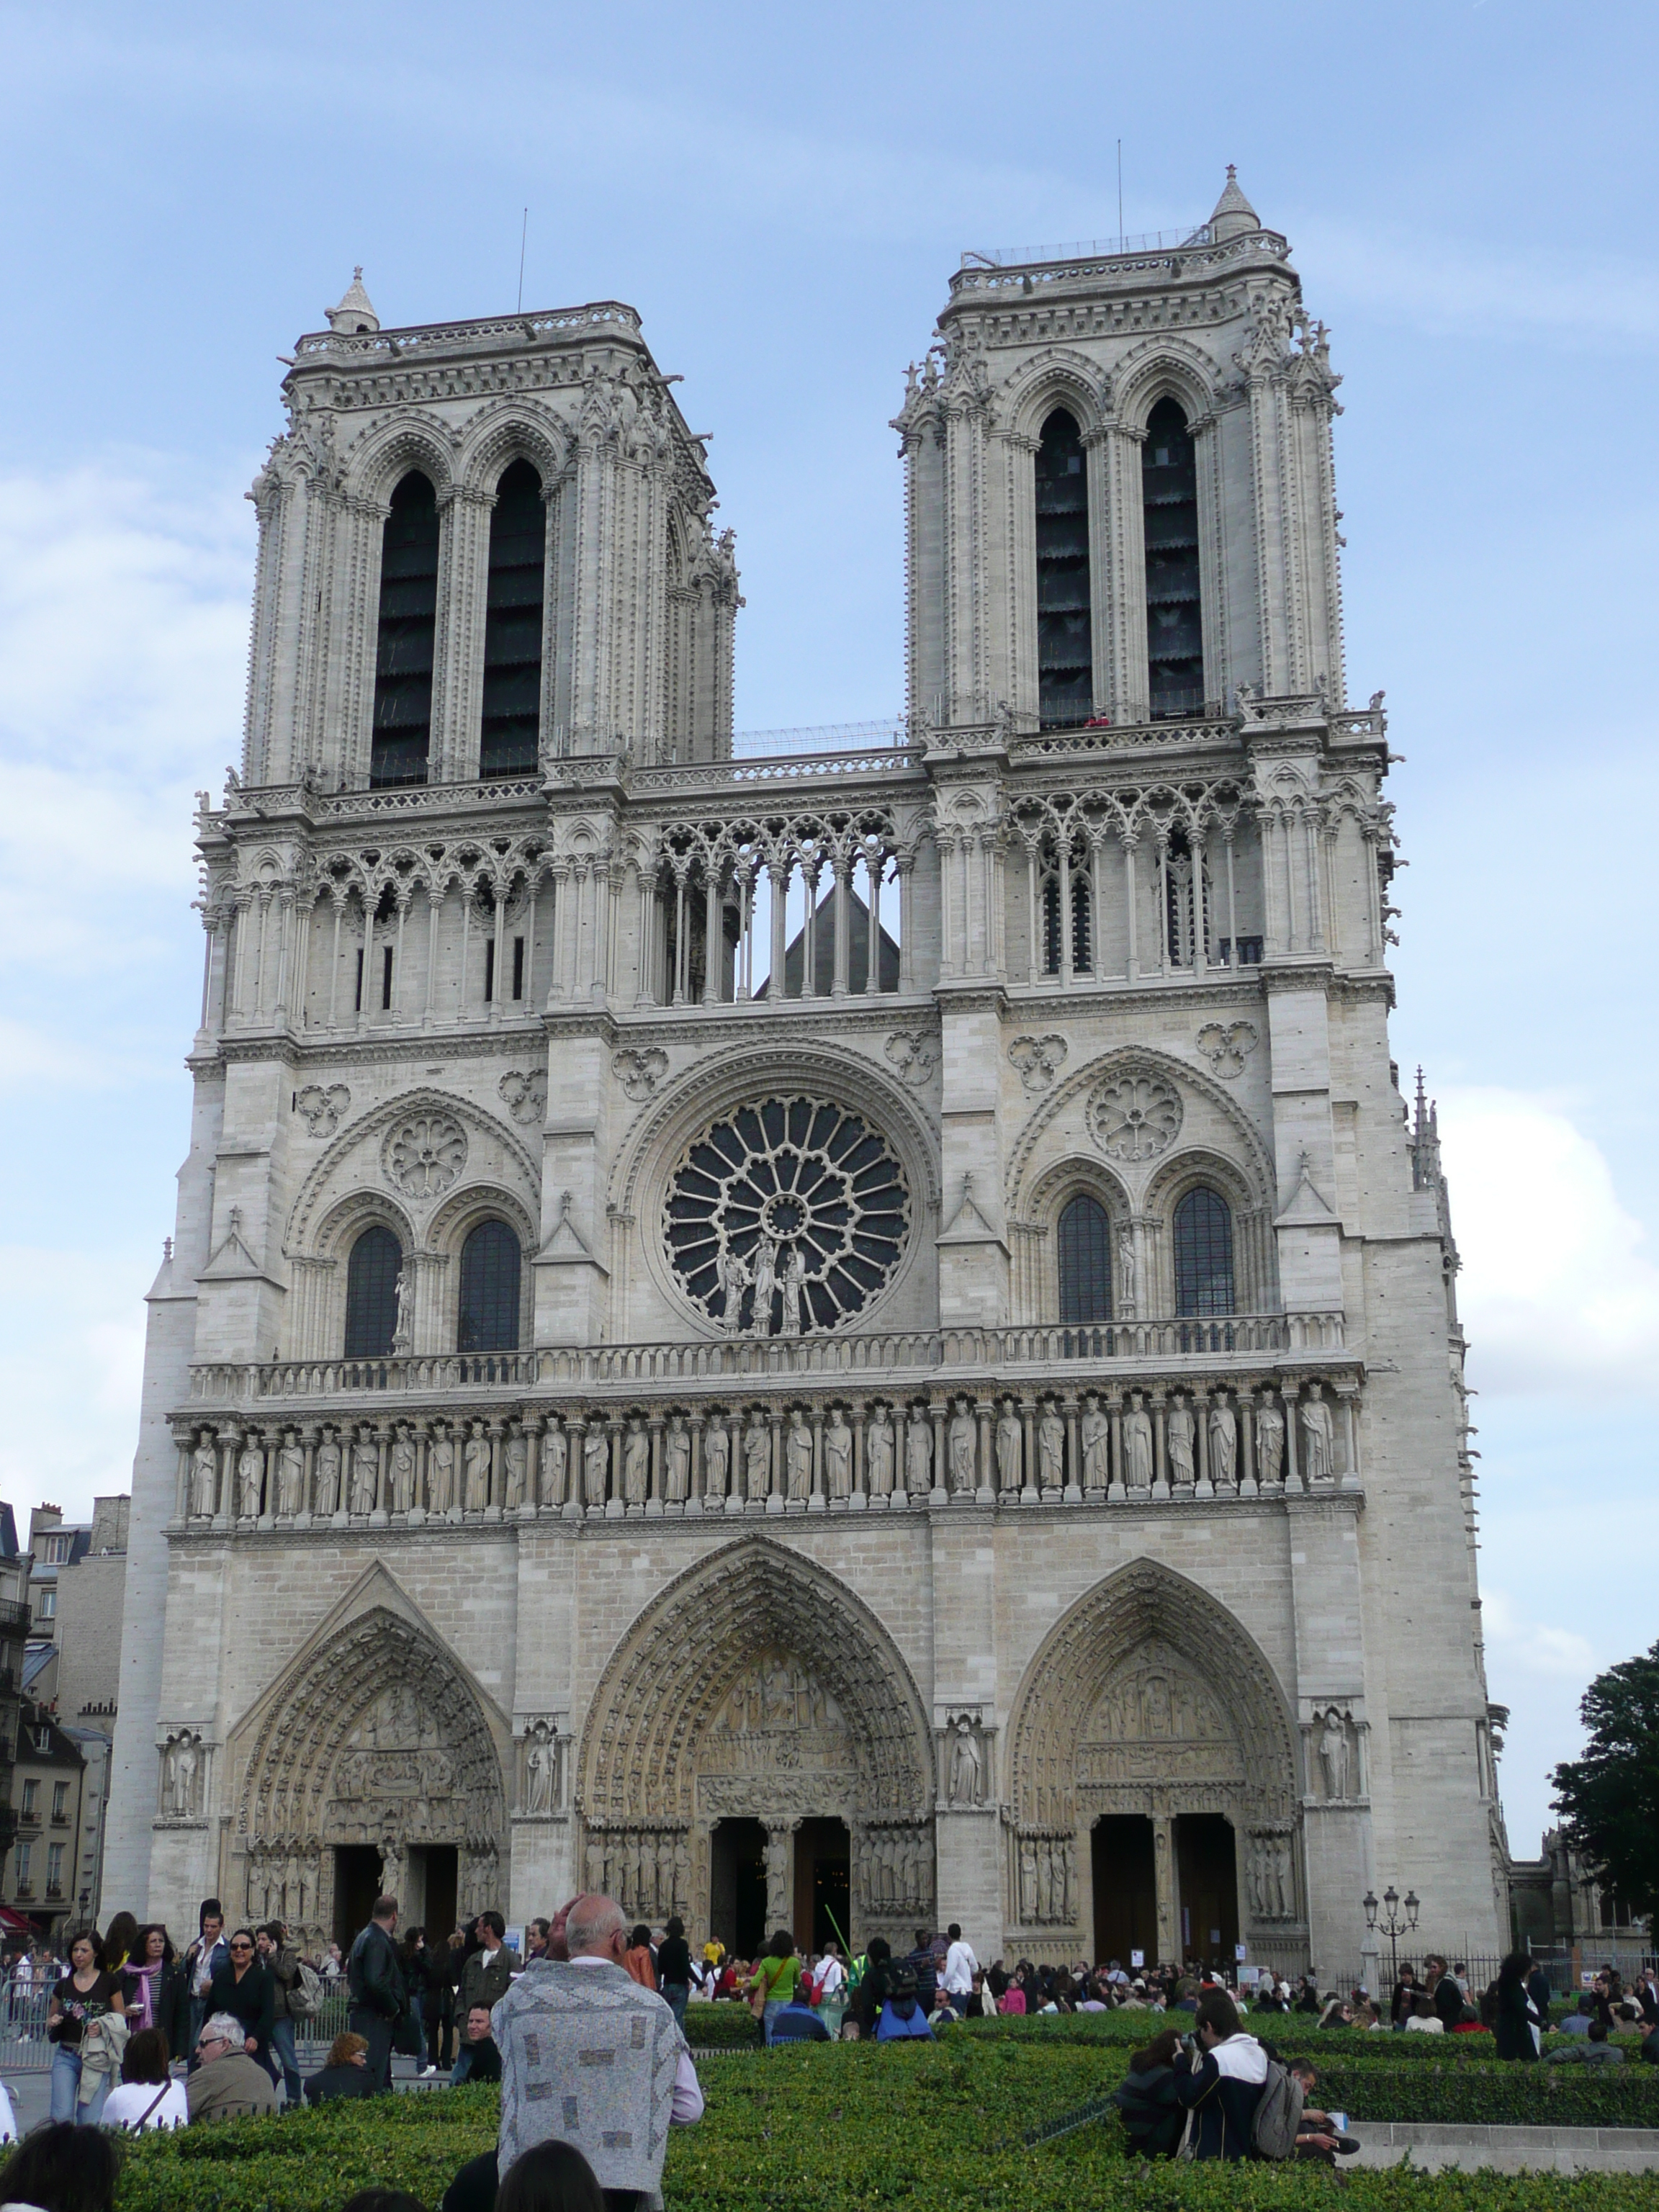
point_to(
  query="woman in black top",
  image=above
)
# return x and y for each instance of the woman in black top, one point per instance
(674, 1969)
(245, 1990)
(346, 2074)
(877, 1981)
(157, 1987)
(1516, 2013)
(1154, 2119)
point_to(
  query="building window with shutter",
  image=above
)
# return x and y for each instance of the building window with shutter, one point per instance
(405, 640)
(1174, 630)
(1065, 627)
(509, 742)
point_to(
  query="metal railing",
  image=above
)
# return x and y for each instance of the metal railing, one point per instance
(1085, 249)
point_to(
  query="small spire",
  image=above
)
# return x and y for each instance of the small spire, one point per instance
(1233, 214)
(356, 315)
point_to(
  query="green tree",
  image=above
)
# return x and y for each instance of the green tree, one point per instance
(1609, 1799)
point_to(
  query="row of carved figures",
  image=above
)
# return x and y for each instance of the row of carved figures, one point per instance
(1116, 1443)
(1048, 1897)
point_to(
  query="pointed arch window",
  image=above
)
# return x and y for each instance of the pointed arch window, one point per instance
(1203, 1253)
(1081, 920)
(1174, 631)
(1085, 1263)
(1065, 630)
(491, 1275)
(509, 741)
(405, 642)
(372, 1273)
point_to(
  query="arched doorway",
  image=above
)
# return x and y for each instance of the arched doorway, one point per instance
(1152, 1765)
(757, 1703)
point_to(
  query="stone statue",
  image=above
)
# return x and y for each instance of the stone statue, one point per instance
(1318, 1459)
(1334, 1754)
(250, 1479)
(1269, 1444)
(734, 1281)
(962, 1440)
(1138, 1445)
(402, 1470)
(204, 1476)
(636, 1464)
(555, 1460)
(290, 1477)
(180, 1762)
(677, 1461)
(966, 1783)
(766, 1280)
(878, 1454)
(1051, 1446)
(777, 1874)
(792, 1282)
(596, 1463)
(365, 1472)
(328, 1475)
(400, 1317)
(1283, 1879)
(539, 1771)
(1223, 1445)
(838, 1456)
(918, 1455)
(1095, 1435)
(1182, 1429)
(1045, 1881)
(1258, 1876)
(441, 1472)
(716, 1459)
(1127, 1270)
(1008, 1447)
(516, 1457)
(757, 1456)
(798, 1456)
(475, 1458)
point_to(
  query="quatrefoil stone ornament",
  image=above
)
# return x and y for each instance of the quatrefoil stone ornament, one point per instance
(424, 1155)
(1135, 1117)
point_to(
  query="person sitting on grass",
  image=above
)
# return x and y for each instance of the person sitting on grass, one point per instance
(1595, 2050)
(797, 2022)
(1317, 2137)
(1153, 2121)
(346, 2074)
(902, 2015)
(149, 2097)
(62, 2168)
(480, 2061)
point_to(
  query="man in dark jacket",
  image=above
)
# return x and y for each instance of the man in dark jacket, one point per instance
(374, 1978)
(488, 1973)
(282, 1962)
(1448, 1998)
(1223, 2084)
(925, 1967)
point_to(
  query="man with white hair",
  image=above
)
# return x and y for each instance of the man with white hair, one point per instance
(591, 2057)
(227, 2085)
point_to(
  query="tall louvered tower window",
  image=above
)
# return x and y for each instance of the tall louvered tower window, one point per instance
(1174, 634)
(409, 614)
(512, 625)
(1065, 643)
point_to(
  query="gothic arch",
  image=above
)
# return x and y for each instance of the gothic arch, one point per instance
(350, 1165)
(514, 430)
(1162, 367)
(665, 1683)
(1060, 378)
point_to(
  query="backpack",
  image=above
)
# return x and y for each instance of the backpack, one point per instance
(1279, 2114)
(305, 1999)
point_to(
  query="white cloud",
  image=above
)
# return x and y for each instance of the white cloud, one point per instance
(1557, 1288)
(72, 1363)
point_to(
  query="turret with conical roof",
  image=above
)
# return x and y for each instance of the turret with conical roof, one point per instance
(1233, 214)
(355, 315)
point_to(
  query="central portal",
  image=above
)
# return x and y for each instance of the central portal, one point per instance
(1126, 1889)
(823, 1884)
(737, 1888)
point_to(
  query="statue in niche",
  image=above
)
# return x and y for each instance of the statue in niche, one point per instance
(441, 1471)
(1318, 1457)
(1223, 1445)
(365, 1472)
(918, 1453)
(402, 1471)
(1127, 1269)
(596, 1463)
(838, 1456)
(792, 1284)
(758, 1457)
(766, 1281)
(290, 1477)
(1270, 1444)
(1334, 1754)
(798, 1457)
(636, 1464)
(180, 1764)
(963, 1441)
(475, 1459)
(965, 1783)
(878, 1454)
(204, 1476)
(1259, 1877)
(716, 1458)
(1095, 1434)
(516, 1460)
(1045, 1881)
(777, 1874)
(1051, 1445)
(734, 1281)
(1283, 1879)
(1008, 1447)
(400, 1331)
(1181, 1432)
(250, 1479)
(1137, 1444)
(328, 1474)
(677, 1461)
(539, 1758)
(555, 1458)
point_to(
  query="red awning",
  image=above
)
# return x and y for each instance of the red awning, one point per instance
(10, 1919)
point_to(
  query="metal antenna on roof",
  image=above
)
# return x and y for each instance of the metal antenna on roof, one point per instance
(1120, 191)
(524, 235)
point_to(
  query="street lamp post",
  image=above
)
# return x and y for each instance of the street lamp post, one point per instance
(1393, 1927)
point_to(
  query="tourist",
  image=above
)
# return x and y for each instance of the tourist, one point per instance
(346, 2074)
(772, 1982)
(674, 1969)
(331, 1966)
(245, 1990)
(282, 1962)
(156, 1986)
(446, 1990)
(120, 1942)
(1595, 2049)
(960, 1968)
(902, 2013)
(1538, 1989)
(21, 1993)
(148, 2097)
(203, 1960)
(535, 1940)
(1013, 2000)
(638, 1961)
(490, 1969)
(559, 2010)
(1223, 2079)
(419, 1968)
(61, 2169)
(1153, 2116)
(1404, 1997)
(925, 1967)
(478, 2059)
(1317, 2136)
(1423, 2020)
(550, 2177)
(86, 1995)
(1646, 1994)
(227, 2084)
(374, 1978)
(798, 2022)
(1517, 2016)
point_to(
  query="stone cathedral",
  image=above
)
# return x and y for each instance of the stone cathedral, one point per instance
(848, 1330)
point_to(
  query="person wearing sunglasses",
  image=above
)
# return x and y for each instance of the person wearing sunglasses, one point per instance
(227, 2084)
(243, 1989)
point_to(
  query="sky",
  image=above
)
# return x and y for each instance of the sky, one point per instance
(782, 192)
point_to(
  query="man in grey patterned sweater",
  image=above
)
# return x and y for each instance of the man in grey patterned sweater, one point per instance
(591, 2058)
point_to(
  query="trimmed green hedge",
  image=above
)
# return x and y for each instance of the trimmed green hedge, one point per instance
(839, 2128)
(1495, 2096)
(1289, 2033)
(721, 2027)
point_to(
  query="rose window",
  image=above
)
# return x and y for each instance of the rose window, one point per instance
(423, 1156)
(787, 1216)
(1136, 1117)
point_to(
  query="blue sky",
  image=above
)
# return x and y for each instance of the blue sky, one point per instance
(782, 193)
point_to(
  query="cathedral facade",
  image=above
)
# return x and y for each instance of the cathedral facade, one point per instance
(851, 1336)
